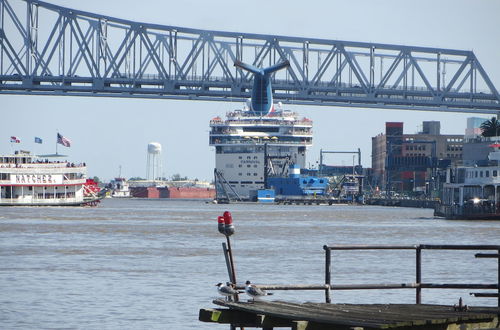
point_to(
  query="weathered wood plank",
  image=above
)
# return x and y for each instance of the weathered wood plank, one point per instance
(228, 316)
(319, 315)
(375, 316)
(297, 312)
(239, 318)
(414, 314)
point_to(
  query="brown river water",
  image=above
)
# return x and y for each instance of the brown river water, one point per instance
(152, 264)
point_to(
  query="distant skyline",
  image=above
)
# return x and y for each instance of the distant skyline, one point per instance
(107, 133)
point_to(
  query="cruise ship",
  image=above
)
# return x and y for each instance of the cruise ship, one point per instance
(28, 180)
(262, 139)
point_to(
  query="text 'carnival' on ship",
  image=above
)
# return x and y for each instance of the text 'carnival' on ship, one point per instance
(258, 140)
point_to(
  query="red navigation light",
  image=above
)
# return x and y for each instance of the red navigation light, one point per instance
(228, 224)
(220, 224)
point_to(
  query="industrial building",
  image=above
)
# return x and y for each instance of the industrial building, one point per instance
(409, 162)
(477, 147)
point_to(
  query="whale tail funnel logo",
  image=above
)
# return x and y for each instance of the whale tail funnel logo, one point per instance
(262, 93)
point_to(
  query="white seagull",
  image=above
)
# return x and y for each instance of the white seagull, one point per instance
(226, 290)
(254, 291)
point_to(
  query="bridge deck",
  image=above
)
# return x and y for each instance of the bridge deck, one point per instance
(88, 54)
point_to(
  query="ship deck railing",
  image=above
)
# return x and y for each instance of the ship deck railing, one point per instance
(65, 182)
(41, 165)
(274, 121)
(252, 142)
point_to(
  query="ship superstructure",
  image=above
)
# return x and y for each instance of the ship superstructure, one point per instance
(246, 145)
(260, 140)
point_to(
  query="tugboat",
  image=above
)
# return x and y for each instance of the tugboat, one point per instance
(472, 192)
(29, 180)
(120, 188)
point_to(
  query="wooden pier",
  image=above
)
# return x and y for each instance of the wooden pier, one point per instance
(322, 316)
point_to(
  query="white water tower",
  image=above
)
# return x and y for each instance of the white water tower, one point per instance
(154, 161)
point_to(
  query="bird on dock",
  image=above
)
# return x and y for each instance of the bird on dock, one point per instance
(254, 291)
(227, 290)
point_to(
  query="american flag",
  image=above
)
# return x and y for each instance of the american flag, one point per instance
(62, 140)
(14, 139)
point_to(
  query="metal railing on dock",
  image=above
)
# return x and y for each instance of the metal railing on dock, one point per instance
(418, 285)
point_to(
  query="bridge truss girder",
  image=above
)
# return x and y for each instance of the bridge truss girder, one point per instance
(52, 50)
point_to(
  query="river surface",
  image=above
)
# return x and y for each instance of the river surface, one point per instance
(152, 264)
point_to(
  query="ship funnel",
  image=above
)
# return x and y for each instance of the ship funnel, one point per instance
(262, 93)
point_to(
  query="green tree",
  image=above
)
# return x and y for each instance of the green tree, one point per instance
(490, 127)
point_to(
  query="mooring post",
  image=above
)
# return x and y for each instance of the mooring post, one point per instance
(328, 260)
(232, 274)
(418, 268)
(228, 263)
(226, 227)
(231, 263)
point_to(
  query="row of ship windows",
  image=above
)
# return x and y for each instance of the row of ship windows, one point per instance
(240, 166)
(57, 195)
(67, 176)
(479, 174)
(30, 188)
(48, 195)
(239, 149)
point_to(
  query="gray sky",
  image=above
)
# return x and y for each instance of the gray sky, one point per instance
(109, 132)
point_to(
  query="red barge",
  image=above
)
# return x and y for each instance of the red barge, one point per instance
(173, 192)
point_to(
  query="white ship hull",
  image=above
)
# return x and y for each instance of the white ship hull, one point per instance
(26, 180)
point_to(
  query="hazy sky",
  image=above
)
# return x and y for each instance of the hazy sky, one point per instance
(112, 132)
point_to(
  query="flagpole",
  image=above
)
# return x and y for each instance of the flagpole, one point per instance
(56, 142)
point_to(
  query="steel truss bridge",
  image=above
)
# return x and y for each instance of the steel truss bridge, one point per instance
(52, 50)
